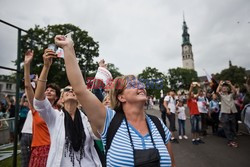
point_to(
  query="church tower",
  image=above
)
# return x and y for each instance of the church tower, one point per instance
(187, 53)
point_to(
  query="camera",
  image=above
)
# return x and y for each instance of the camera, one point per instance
(59, 51)
(225, 83)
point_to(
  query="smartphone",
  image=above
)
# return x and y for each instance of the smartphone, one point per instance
(52, 47)
(60, 53)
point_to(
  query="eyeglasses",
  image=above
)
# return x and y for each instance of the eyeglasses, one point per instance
(136, 84)
(68, 90)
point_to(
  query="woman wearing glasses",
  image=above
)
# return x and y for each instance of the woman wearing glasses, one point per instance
(72, 138)
(137, 135)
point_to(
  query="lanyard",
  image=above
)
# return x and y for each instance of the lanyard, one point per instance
(131, 141)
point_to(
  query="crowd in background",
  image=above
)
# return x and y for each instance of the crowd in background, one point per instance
(222, 109)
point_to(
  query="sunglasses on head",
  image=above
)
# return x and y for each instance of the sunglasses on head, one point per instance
(68, 90)
(136, 84)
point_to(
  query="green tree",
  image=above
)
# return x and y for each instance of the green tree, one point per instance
(237, 75)
(181, 78)
(85, 47)
(114, 70)
(154, 80)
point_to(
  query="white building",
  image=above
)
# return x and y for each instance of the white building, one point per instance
(7, 86)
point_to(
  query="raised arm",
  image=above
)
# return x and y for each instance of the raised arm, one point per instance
(190, 90)
(247, 84)
(232, 87)
(27, 84)
(7, 100)
(219, 87)
(41, 82)
(22, 100)
(95, 110)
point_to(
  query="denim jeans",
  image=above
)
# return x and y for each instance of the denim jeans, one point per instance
(181, 124)
(195, 121)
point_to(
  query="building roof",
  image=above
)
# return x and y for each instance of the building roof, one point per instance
(7, 78)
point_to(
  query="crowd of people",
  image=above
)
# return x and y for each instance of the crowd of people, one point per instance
(62, 126)
(220, 108)
(78, 126)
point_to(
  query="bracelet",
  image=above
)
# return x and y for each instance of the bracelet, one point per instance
(42, 80)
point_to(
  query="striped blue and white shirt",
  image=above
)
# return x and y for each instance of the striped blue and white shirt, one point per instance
(120, 152)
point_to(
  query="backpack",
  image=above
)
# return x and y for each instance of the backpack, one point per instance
(98, 147)
(116, 122)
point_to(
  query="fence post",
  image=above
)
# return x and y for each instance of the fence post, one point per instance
(17, 98)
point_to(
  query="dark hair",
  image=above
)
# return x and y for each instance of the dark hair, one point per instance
(56, 88)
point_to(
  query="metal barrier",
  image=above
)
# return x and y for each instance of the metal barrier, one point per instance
(7, 126)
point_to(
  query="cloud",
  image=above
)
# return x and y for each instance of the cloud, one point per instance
(136, 34)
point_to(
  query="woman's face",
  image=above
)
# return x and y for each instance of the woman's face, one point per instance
(51, 94)
(68, 95)
(106, 102)
(224, 89)
(172, 93)
(134, 92)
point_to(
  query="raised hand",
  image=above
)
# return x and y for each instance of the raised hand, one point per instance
(62, 41)
(48, 57)
(228, 82)
(102, 64)
(221, 83)
(28, 56)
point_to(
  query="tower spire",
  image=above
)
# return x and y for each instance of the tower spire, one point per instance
(183, 16)
(185, 34)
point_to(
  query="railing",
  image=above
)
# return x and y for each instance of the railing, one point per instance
(7, 126)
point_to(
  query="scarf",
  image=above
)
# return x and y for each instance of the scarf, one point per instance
(74, 135)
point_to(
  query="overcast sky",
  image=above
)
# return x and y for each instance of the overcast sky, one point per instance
(134, 34)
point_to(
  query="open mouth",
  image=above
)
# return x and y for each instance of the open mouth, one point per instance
(141, 93)
(71, 94)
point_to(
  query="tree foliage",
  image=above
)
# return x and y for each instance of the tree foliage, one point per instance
(154, 80)
(181, 78)
(38, 39)
(114, 70)
(237, 75)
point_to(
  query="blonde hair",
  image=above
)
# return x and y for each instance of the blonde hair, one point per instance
(61, 96)
(118, 86)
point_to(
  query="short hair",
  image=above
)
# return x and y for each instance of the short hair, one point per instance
(56, 88)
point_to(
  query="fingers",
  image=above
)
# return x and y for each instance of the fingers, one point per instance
(60, 38)
(29, 52)
(49, 52)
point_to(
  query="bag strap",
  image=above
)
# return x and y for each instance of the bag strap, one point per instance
(113, 127)
(158, 125)
(100, 153)
(116, 122)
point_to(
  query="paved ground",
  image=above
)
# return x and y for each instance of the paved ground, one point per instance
(214, 153)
